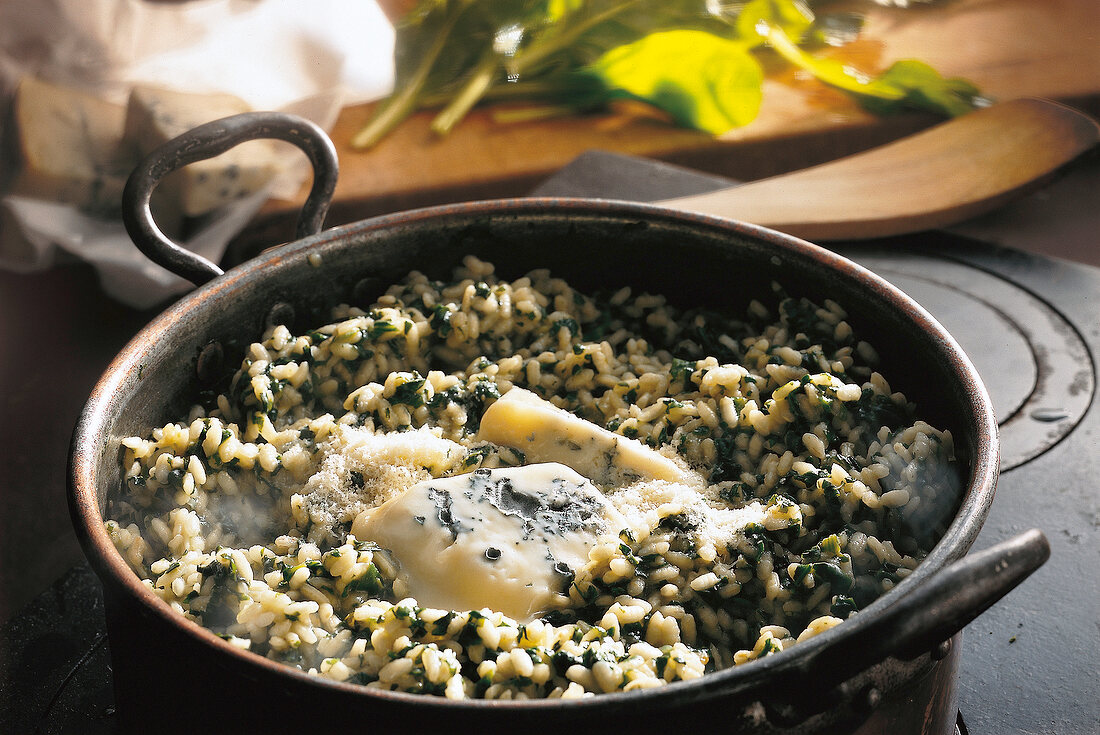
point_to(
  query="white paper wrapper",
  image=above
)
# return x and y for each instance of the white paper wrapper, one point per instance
(310, 58)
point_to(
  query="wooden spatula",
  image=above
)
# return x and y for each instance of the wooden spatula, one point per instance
(943, 175)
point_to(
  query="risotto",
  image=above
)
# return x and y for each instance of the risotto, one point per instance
(510, 489)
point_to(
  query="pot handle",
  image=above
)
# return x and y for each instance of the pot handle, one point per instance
(922, 621)
(207, 141)
(947, 602)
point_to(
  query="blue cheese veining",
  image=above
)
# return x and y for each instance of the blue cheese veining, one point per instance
(507, 539)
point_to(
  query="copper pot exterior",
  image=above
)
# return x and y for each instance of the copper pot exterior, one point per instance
(162, 663)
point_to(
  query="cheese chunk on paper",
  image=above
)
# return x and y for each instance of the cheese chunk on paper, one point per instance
(508, 539)
(154, 116)
(546, 433)
(69, 142)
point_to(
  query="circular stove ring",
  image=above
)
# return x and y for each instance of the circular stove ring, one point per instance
(1037, 368)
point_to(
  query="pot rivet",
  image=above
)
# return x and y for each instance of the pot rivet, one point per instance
(940, 652)
(280, 313)
(209, 365)
(873, 697)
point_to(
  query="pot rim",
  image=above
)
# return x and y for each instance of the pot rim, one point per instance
(114, 571)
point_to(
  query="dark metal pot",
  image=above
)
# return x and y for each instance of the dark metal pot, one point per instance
(892, 666)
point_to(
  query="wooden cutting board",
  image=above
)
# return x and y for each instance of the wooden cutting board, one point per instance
(1009, 48)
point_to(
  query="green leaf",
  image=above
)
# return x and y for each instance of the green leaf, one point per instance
(579, 54)
(701, 80)
(576, 34)
(907, 84)
(409, 393)
(556, 10)
(758, 17)
(919, 86)
(369, 581)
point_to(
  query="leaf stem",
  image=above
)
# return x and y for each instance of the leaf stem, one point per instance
(528, 114)
(538, 51)
(521, 90)
(401, 103)
(480, 81)
(845, 78)
(483, 76)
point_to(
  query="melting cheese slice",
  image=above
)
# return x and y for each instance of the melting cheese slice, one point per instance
(546, 433)
(507, 539)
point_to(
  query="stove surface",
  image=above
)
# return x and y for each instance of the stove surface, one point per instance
(1032, 327)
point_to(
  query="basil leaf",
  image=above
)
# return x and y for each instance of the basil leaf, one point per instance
(701, 80)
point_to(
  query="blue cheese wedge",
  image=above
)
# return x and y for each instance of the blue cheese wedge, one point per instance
(69, 145)
(546, 433)
(507, 539)
(155, 116)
